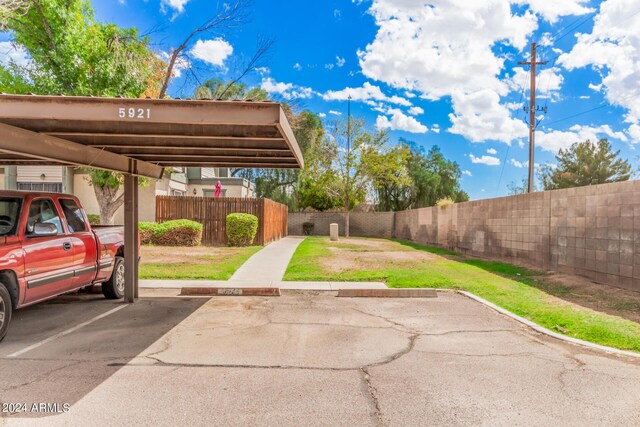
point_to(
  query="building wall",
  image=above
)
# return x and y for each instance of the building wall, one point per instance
(362, 224)
(34, 173)
(146, 205)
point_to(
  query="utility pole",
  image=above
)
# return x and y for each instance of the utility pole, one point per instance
(532, 112)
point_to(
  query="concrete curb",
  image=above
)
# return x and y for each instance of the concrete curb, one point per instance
(546, 331)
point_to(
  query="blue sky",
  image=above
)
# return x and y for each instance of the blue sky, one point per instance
(441, 73)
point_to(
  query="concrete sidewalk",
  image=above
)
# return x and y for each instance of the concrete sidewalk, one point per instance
(307, 286)
(270, 263)
(265, 269)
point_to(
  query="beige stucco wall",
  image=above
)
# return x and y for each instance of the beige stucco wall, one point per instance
(146, 205)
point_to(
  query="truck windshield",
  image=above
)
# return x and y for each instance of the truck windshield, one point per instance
(9, 215)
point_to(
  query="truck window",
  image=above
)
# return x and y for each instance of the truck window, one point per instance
(43, 210)
(73, 215)
(9, 215)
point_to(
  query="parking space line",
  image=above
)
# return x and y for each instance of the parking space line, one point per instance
(67, 332)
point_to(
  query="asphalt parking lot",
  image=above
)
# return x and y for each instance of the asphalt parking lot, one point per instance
(305, 358)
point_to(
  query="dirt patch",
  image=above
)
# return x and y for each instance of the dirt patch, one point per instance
(584, 292)
(358, 254)
(184, 255)
(367, 244)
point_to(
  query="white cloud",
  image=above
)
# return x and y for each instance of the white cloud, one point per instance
(549, 81)
(556, 140)
(262, 70)
(613, 49)
(335, 113)
(322, 115)
(467, 173)
(546, 40)
(297, 66)
(634, 133)
(213, 52)
(595, 88)
(400, 121)
(182, 63)
(479, 116)
(416, 111)
(551, 10)
(485, 160)
(435, 128)
(286, 90)
(519, 164)
(367, 92)
(446, 49)
(340, 62)
(492, 151)
(10, 53)
(584, 97)
(176, 5)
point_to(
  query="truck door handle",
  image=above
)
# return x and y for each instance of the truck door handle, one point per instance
(66, 246)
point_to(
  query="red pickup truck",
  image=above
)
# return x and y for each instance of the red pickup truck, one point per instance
(48, 248)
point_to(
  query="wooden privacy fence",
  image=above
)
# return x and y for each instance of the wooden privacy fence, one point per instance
(212, 214)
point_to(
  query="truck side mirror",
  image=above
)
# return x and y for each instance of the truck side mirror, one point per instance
(44, 229)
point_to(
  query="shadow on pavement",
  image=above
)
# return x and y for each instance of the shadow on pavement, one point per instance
(66, 369)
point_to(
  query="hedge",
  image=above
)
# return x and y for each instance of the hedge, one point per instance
(94, 219)
(179, 232)
(307, 228)
(241, 229)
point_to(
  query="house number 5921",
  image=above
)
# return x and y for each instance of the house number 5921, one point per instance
(134, 113)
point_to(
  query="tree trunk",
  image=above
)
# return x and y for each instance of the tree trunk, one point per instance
(346, 224)
(108, 202)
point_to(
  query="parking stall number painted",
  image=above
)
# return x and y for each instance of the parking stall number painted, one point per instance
(134, 113)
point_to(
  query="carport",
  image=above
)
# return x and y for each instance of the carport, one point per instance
(141, 137)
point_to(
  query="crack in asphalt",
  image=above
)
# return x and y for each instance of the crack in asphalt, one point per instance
(38, 378)
(372, 393)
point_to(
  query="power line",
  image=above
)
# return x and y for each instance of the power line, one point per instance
(520, 110)
(577, 114)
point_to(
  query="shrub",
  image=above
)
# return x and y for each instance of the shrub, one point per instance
(444, 202)
(241, 229)
(147, 232)
(93, 219)
(180, 232)
(307, 228)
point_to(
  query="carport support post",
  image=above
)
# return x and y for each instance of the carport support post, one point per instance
(130, 237)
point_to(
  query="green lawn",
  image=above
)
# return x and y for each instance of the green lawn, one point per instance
(192, 263)
(508, 286)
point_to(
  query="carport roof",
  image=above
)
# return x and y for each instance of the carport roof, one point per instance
(142, 136)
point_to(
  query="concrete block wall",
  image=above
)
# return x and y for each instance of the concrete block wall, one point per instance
(362, 224)
(589, 231)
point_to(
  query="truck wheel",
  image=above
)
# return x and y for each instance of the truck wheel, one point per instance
(5, 311)
(114, 287)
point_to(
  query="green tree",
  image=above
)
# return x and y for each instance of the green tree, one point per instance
(432, 177)
(73, 54)
(362, 156)
(305, 188)
(219, 89)
(518, 187)
(586, 163)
